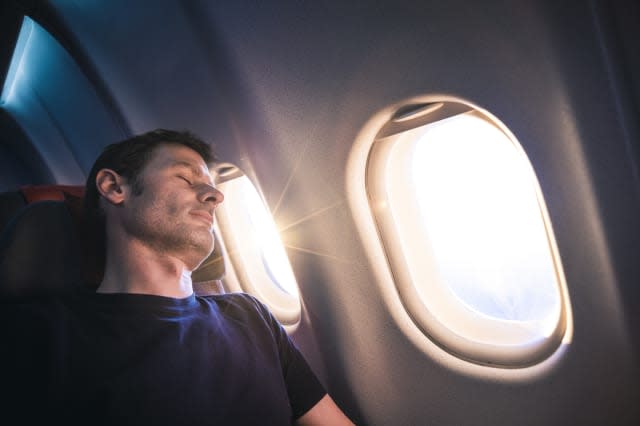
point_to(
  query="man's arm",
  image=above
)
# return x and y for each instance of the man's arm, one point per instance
(325, 412)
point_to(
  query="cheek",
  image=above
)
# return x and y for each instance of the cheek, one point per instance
(164, 205)
(173, 204)
(172, 210)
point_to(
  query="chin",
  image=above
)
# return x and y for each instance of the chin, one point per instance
(199, 253)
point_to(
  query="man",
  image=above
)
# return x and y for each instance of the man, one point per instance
(142, 349)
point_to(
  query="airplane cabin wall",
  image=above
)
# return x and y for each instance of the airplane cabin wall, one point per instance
(285, 91)
(542, 69)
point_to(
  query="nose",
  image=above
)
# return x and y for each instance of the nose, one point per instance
(209, 194)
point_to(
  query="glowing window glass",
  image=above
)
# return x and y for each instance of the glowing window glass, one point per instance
(259, 263)
(267, 239)
(467, 236)
(481, 214)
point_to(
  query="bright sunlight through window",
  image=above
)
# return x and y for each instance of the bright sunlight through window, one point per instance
(464, 165)
(466, 233)
(259, 263)
(267, 239)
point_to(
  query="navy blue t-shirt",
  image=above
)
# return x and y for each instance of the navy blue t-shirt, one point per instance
(152, 360)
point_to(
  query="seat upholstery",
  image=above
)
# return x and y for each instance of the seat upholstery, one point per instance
(10, 203)
(40, 252)
(43, 248)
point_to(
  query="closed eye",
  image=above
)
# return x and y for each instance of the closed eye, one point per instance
(185, 179)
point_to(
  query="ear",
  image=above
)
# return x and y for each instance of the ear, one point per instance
(111, 186)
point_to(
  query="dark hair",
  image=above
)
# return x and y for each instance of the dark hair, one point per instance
(128, 158)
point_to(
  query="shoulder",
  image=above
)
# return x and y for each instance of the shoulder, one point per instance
(246, 309)
(238, 305)
(240, 301)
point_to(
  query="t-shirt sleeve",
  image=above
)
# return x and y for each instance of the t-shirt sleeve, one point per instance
(303, 386)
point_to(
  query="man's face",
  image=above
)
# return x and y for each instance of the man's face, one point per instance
(174, 212)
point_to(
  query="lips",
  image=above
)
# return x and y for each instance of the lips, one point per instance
(203, 215)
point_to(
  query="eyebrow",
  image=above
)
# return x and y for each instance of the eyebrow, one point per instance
(192, 168)
(184, 164)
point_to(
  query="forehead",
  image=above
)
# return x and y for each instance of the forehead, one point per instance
(170, 156)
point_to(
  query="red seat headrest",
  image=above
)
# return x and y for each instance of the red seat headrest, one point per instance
(33, 193)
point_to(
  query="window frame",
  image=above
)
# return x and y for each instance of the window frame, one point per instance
(246, 272)
(411, 117)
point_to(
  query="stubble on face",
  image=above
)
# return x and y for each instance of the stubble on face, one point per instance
(159, 218)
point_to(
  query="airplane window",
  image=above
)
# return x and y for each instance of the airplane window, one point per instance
(465, 165)
(271, 249)
(259, 262)
(466, 234)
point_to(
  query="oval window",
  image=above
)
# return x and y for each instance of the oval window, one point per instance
(259, 263)
(466, 233)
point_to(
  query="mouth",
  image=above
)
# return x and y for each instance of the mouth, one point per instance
(203, 216)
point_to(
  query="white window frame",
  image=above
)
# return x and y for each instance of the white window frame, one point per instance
(369, 159)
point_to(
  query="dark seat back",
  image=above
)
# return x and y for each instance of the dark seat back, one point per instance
(40, 252)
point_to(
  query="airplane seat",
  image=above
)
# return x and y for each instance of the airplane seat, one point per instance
(39, 252)
(10, 203)
(44, 249)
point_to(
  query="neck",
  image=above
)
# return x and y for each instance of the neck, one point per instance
(132, 267)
